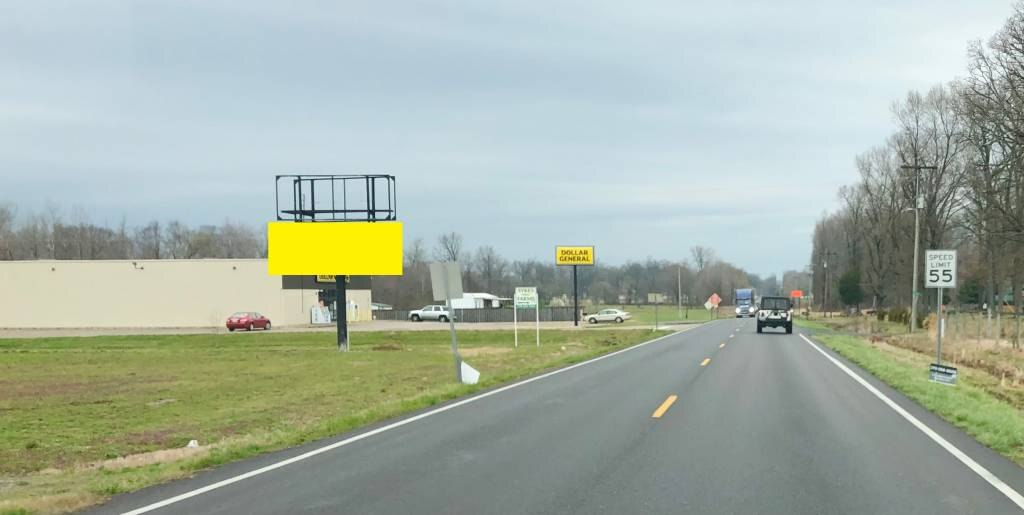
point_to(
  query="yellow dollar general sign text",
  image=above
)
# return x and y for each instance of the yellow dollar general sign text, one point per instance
(574, 255)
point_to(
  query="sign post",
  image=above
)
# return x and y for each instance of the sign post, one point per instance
(526, 297)
(798, 295)
(515, 321)
(446, 283)
(655, 298)
(940, 273)
(536, 316)
(712, 304)
(575, 256)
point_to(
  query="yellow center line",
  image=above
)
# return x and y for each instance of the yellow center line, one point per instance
(705, 362)
(720, 345)
(664, 406)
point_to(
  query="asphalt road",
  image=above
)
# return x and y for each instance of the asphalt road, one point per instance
(759, 424)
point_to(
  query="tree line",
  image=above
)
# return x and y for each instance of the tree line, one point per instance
(485, 270)
(956, 157)
(52, 235)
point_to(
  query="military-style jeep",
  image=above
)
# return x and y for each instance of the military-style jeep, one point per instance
(775, 312)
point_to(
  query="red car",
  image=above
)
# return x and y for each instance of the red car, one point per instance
(248, 320)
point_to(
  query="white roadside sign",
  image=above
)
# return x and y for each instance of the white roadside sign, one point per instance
(526, 297)
(940, 269)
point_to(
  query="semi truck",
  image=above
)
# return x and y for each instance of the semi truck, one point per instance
(744, 300)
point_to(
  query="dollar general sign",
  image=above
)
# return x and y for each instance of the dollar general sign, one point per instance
(574, 255)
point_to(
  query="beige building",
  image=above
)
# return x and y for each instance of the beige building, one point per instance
(153, 293)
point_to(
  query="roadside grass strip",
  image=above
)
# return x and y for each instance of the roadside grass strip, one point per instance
(991, 421)
(84, 419)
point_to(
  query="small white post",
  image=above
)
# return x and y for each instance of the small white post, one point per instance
(537, 308)
(515, 323)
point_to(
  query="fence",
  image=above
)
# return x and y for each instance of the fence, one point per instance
(549, 314)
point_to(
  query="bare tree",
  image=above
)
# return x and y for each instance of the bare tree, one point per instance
(148, 241)
(7, 240)
(237, 241)
(702, 257)
(177, 240)
(491, 268)
(449, 247)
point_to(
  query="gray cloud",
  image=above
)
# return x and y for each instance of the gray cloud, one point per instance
(643, 128)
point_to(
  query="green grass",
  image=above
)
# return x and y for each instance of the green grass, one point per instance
(970, 405)
(69, 404)
(815, 325)
(644, 314)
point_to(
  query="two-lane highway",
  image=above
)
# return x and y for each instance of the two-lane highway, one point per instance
(717, 419)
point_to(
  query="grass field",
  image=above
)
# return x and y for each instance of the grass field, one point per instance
(644, 314)
(86, 418)
(984, 405)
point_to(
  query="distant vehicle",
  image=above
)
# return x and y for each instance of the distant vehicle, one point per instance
(609, 315)
(432, 312)
(745, 306)
(775, 312)
(248, 320)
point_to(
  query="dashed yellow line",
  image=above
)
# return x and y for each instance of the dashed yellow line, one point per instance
(705, 362)
(720, 345)
(664, 406)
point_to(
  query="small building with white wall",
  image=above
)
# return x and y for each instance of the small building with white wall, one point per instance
(477, 301)
(156, 293)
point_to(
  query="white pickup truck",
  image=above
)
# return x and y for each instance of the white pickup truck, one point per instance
(432, 312)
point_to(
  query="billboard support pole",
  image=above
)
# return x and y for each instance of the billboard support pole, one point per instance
(341, 312)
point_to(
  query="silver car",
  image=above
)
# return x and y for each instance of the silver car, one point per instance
(609, 315)
(432, 312)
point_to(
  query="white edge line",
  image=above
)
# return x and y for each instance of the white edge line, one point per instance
(379, 430)
(1006, 489)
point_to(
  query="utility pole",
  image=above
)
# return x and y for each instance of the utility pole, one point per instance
(918, 204)
(679, 289)
(824, 295)
(825, 289)
(810, 289)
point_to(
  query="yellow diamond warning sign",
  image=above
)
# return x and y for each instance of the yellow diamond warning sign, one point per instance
(574, 255)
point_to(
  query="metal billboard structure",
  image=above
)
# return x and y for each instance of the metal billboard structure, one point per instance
(335, 225)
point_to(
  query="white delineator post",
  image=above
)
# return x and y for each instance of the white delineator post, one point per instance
(515, 323)
(536, 308)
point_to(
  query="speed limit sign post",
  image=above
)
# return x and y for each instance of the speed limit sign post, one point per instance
(940, 273)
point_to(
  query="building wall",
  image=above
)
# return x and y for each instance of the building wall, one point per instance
(149, 293)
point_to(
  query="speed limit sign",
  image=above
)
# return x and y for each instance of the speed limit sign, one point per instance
(940, 269)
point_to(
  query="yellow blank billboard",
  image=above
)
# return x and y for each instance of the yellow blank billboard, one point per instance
(339, 248)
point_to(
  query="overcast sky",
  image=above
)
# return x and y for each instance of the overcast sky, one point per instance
(640, 127)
